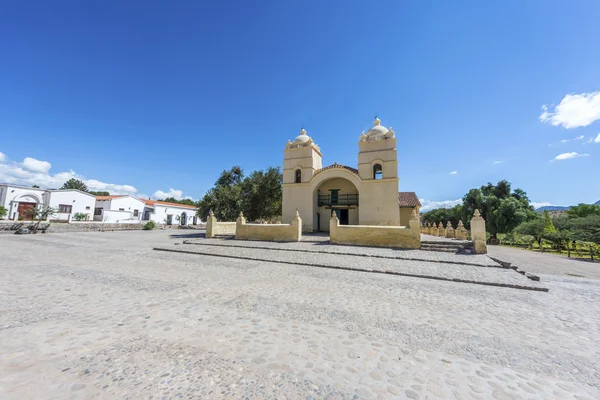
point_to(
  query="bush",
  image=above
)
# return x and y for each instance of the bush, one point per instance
(148, 226)
(3, 212)
(79, 216)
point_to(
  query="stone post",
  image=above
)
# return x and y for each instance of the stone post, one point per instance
(211, 223)
(334, 222)
(415, 226)
(478, 233)
(441, 230)
(460, 232)
(434, 229)
(428, 228)
(297, 224)
(241, 220)
(449, 230)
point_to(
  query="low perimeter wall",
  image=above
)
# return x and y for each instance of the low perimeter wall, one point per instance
(214, 228)
(269, 232)
(379, 236)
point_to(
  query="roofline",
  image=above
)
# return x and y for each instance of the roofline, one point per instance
(22, 187)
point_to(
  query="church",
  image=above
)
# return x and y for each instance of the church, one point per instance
(367, 195)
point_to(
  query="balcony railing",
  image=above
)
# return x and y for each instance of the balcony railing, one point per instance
(338, 200)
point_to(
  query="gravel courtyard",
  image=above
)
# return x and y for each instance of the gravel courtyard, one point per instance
(102, 315)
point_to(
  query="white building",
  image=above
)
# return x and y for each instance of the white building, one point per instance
(20, 200)
(123, 208)
(163, 212)
(69, 202)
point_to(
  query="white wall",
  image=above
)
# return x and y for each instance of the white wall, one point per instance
(161, 211)
(124, 209)
(114, 216)
(10, 196)
(80, 202)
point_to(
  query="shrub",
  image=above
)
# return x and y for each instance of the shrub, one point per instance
(148, 226)
(79, 216)
(3, 212)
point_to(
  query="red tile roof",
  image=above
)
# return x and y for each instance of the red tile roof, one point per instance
(336, 165)
(153, 202)
(108, 197)
(408, 199)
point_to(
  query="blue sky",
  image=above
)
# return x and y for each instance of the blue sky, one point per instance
(144, 97)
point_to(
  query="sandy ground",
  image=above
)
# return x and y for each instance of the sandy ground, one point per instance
(101, 315)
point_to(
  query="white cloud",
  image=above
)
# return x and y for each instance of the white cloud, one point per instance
(34, 165)
(2, 157)
(177, 194)
(453, 172)
(427, 205)
(498, 162)
(566, 156)
(537, 205)
(574, 111)
(597, 139)
(35, 172)
(571, 140)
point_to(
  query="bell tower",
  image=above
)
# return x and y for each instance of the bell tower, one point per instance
(378, 170)
(301, 159)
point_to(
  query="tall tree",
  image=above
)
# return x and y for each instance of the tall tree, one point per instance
(75, 184)
(502, 209)
(583, 210)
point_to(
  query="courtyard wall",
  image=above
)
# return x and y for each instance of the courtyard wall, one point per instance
(269, 232)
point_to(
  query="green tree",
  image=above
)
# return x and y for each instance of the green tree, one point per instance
(224, 199)
(101, 193)
(502, 209)
(257, 195)
(35, 186)
(188, 202)
(534, 228)
(75, 184)
(262, 194)
(583, 210)
(444, 215)
(548, 225)
(40, 214)
(3, 212)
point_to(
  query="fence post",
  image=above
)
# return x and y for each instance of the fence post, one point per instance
(460, 232)
(478, 233)
(297, 224)
(211, 223)
(334, 222)
(415, 226)
(449, 230)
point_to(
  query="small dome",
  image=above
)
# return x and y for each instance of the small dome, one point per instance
(302, 139)
(377, 129)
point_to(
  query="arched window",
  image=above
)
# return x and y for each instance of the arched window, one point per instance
(377, 171)
(298, 177)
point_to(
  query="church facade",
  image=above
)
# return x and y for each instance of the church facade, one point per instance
(367, 195)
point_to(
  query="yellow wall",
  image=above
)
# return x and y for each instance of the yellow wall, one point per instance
(380, 236)
(405, 213)
(214, 228)
(270, 232)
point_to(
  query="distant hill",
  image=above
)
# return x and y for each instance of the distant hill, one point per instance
(597, 203)
(552, 208)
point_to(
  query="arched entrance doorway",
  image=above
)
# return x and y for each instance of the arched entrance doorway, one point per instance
(339, 195)
(183, 218)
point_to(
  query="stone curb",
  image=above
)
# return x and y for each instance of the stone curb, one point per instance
(537, 289)
(347, 254)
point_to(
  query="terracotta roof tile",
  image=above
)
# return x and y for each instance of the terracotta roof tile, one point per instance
(153, 202)
(108, 197)
(408, 199)
(336, 165)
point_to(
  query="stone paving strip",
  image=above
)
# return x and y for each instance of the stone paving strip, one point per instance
(325, 247)
(419, 269)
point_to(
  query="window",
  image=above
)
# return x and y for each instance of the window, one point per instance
(135, 213)
(64, 208)
(377, 171)
(121, 209)
(298, 176)
(98, 211)
(87, 207)
(334, 195)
